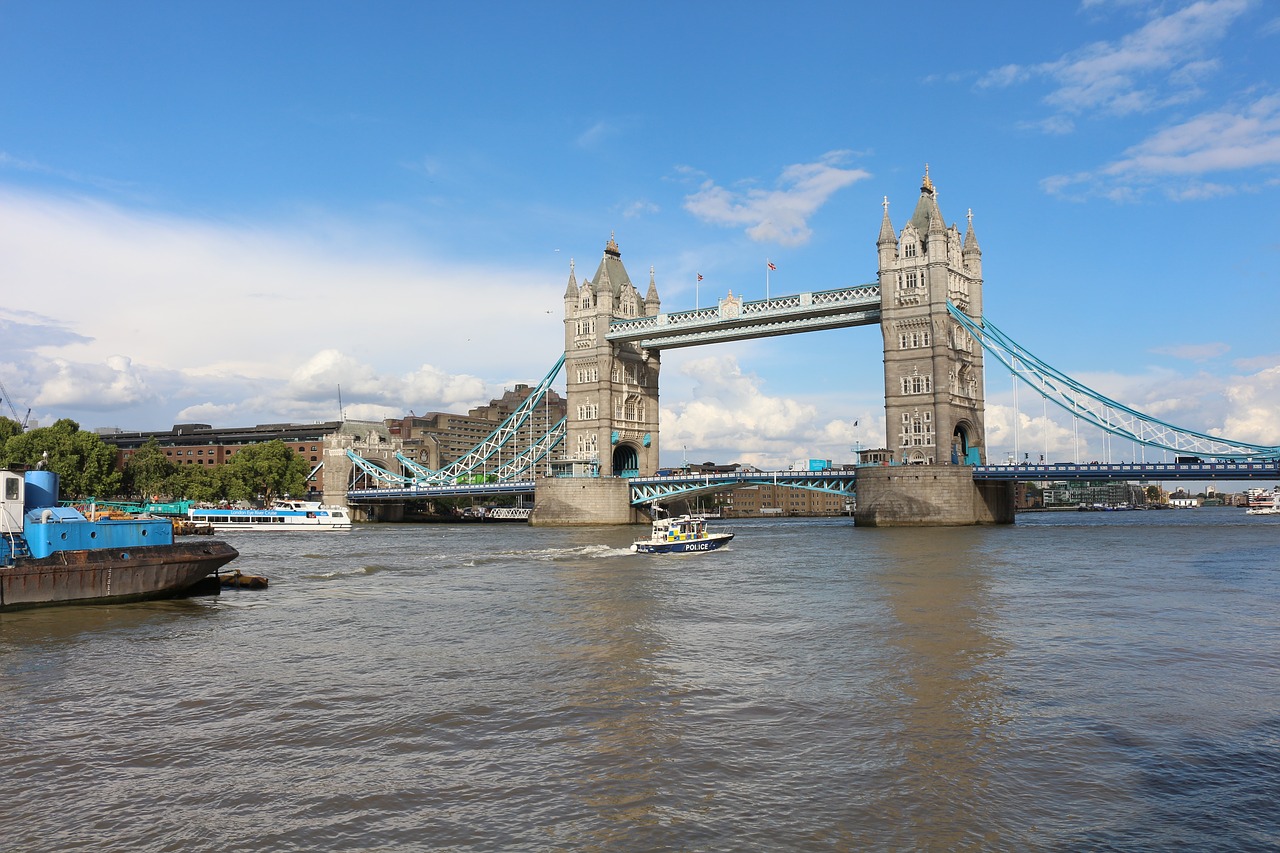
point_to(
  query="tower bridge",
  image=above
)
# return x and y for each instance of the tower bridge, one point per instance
(927, 301)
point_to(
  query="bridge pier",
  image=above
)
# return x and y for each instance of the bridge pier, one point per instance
(377, 512)
(930, 496)
(583, 501)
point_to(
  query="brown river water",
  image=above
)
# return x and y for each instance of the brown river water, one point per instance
(1078, 681)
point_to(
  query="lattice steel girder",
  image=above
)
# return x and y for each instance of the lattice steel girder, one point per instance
(376, 471)
(417, 469)
(1141, 471)
(764, 330)
(645, 490)
(783, 315)
(1095, 408)
(515, 487)
(480, 455)
(535, 453)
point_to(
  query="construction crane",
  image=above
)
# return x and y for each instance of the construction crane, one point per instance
(22, 422)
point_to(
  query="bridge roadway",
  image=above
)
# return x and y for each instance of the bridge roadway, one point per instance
(645, 490)
(1269, 470)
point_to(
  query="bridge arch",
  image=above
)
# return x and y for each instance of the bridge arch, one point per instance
(963, 441)
(626, 460)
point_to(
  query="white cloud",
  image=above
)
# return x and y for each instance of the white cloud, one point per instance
(640, 207)
(1157, 65)
(1173, 159)
(111, 311)
(1222, 140)
(780, 215)
(730, 418)
(1195, 352)
(114, 384)
(597, 133)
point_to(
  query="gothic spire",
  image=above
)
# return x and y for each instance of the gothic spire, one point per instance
(970, 239)
(651, 301)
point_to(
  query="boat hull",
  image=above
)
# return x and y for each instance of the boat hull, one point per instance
(693, 546)
(110, 575)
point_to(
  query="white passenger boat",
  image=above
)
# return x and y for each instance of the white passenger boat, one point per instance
(1263, 510)
(680, 535)
(283, 515)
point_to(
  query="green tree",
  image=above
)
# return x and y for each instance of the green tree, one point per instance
(8, 429)
(84, 463)
(147, 471)
(199, 483)
(270, 469)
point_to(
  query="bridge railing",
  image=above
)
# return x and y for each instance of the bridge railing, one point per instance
(773, 308)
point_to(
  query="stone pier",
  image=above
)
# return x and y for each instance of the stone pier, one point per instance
(929, 496)
(582, 501)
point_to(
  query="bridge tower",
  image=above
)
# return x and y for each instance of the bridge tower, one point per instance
(612, 388)
(933, 381)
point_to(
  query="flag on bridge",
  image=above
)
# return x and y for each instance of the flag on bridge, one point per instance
(771, 266)
(699, 276)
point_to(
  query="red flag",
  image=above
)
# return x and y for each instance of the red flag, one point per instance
(771, 266)
(699, 276)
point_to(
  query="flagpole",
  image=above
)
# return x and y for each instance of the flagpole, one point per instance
(697, 285)
(767, 266)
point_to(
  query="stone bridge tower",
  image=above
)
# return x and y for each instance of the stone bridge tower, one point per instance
(612, 388)
(933, 386)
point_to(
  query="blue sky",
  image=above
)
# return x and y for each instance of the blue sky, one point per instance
(222, 212)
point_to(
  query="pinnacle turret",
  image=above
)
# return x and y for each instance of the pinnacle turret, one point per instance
(971, 239)
(571, 290)
(887, 234)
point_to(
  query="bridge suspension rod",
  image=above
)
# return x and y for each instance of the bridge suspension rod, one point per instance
(1096, 408)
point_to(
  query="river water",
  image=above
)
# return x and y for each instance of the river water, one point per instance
(1078, 681)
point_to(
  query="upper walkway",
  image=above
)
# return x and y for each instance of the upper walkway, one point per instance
(735, 319)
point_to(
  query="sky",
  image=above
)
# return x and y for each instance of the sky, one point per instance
(238, 213)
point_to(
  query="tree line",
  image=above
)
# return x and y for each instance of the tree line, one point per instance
(86, 467)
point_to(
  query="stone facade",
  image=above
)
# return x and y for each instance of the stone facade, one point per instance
(611, 388)
(933, 382)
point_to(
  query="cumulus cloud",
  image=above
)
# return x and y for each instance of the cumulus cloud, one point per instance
(115, 311)
(114, 384)
(781, 214)
(426, 389)
(731, 418)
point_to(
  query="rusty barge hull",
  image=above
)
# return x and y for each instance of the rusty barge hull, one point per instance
(110, 575)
